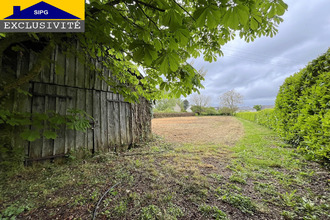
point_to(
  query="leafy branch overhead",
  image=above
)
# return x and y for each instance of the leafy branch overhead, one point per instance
(160, 36)
(46, 124)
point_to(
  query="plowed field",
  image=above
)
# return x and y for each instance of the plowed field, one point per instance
(199, 130)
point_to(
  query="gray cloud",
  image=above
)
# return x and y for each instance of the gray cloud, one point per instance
(257, 69)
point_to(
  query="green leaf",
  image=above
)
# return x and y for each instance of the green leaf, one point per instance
(281, 7)
(17, 48)
(34, 35)
(30, 135)
(172, 19)
(164, 67)
(40, 117)
(162, 85)
(50, 134)
(231, 19)
(211, 21)
(257, 17)
(200, 16)
(213, 16)
(243, 13)
(183, 36)
(173, 59)
(272, 11)
(173, 45)
(99, 52)
(266, 6)
(254, 24)
(138, 54)
(24, 92)
(158, 44)
(150, 54)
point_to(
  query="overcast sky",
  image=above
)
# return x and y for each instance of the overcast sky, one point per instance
(257, 69)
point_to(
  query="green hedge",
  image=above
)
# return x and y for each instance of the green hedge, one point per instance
(265, 117)
(302, 106)
(301, 115)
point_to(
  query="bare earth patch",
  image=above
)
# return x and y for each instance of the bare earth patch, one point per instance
(199, 130)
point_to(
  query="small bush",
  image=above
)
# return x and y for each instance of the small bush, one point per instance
(168, 115)
(266, 117)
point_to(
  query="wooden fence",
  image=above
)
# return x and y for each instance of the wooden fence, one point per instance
(68, 84)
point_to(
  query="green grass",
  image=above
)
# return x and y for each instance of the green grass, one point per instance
(276, 171)
(212, 212)
(256, 179)
(259, 149)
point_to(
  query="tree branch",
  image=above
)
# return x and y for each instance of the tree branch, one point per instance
(149, 6)
(147, 16)
(114, 2)
(131, 22)
(184, 10)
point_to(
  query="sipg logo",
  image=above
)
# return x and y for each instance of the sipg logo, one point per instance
(44, 17)
(40, 12)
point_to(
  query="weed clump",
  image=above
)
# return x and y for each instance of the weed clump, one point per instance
(212, 212)
(239, 201)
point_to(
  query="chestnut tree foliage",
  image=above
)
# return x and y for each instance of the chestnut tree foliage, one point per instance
(158, 36)
(128, 36)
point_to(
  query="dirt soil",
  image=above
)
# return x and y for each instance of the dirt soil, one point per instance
(199, 130)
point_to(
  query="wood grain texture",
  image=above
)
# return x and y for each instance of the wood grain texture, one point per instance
(67, 83)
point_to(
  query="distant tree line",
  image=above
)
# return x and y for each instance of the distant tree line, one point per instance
(229, 102)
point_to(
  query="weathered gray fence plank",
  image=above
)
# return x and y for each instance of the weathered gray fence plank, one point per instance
(80, 104)
(80, 73)
(111, 122)
(103, 122)
(60, 108)
(48, 144)
(92, 76)
(70, 140)
(128, 123)
(70, 71)
(38, 106)
(116, 113)
(60, 69)
(97, 117)
(122, 112)
(89, 111)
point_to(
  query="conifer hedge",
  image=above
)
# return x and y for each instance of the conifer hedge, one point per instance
(301, 115)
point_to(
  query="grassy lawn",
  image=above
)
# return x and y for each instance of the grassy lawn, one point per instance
(254, 177)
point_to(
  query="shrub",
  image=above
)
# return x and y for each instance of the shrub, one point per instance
(303, 104)
(205, 110)
(177, 114)
(301, 115)
(211, 111)
(266, 117)
(225, 111)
